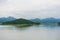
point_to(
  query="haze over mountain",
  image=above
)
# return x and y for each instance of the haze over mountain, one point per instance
(46, 20)
(51, 20)
(4, 19)
(36, 20)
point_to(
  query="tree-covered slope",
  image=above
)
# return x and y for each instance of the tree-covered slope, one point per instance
(20, 21)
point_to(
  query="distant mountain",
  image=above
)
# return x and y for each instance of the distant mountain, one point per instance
(19, 21)
(4, 19)
(46, 20)
(37, 20)
(10, 18)
(50, 21)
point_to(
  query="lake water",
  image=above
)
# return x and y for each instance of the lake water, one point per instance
(30, 33)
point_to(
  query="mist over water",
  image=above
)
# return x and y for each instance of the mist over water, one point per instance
(40, 32)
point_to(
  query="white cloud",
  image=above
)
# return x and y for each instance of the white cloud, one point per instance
(30, 8)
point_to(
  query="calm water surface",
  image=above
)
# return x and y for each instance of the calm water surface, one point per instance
(31, 33)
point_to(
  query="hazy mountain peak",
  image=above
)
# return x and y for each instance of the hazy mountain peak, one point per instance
(4, 19)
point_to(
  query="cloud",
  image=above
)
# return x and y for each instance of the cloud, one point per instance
(2, 1)
(30, 8)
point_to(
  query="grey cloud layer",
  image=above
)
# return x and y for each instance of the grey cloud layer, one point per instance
(30, 8)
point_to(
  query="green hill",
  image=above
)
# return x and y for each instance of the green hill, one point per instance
(20, 22)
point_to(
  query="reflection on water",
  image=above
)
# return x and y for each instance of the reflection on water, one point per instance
(31, 33)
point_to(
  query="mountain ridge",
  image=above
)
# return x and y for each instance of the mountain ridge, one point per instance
(4, 19)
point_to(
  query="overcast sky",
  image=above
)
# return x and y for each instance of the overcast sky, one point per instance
(30, 8)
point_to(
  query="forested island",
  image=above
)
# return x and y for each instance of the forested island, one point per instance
(20, 23)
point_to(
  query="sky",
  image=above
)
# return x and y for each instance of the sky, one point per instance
(30, 8)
